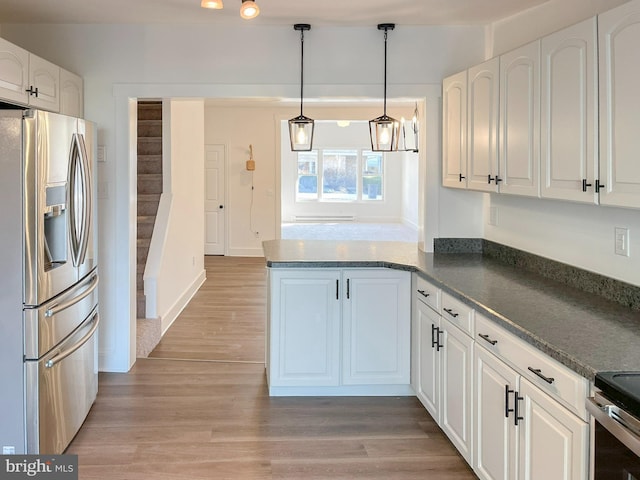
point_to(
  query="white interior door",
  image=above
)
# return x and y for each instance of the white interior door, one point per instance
(214, 200)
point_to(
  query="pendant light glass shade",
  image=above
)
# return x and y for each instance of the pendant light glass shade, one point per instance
(384, 130)
(301, 127)
(249, 9)
(217, 4)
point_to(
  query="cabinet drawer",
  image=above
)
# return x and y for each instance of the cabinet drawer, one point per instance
(427, 293)
(458, 313)
(560, 382)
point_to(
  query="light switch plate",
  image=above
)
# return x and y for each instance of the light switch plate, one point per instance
(622, 241)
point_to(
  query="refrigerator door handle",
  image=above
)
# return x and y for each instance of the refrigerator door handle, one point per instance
(75, 217)
(62, 355)
(63, 306)
(87, 195)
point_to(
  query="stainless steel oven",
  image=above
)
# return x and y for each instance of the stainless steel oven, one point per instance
(616, 447)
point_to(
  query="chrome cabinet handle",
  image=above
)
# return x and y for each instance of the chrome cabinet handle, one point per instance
(486, 338)
(451, 312)
(538, 373)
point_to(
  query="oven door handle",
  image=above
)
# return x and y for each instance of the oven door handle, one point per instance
(616, 427)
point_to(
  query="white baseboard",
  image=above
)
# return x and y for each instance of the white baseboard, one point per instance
(245, 252)
(182, 302)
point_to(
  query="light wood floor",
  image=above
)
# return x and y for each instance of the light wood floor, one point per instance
(212, 418)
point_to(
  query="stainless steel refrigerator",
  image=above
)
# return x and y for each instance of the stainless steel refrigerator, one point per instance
(48, 295)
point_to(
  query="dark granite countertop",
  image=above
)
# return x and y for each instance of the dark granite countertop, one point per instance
(584, 331)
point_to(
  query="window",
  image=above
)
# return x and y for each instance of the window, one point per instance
(344, 175)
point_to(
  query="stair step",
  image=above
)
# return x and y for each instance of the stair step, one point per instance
(149, 146)
(150, 128)
(150, 183)
(150, 111)
(148, 204)
(145, 230)
(149, 164)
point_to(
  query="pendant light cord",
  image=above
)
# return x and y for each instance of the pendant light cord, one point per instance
(301, 68)
(385, 73)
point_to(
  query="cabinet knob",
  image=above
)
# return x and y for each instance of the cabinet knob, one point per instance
(599, 186)
(462, 177)
(585, 184)
(490, 179)
(538, 373)
(32, 91)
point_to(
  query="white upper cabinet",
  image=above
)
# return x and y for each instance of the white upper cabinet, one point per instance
(569, 89)
(26, 79)
(482, 126)
(454, 135)
(14, 73)
(520, 120)
(71, 94)
(619, 38)
(44, 81)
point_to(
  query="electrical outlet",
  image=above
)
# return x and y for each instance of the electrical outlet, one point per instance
(622, 241)
(8, 450)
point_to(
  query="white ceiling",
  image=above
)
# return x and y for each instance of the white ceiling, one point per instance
(273, 12)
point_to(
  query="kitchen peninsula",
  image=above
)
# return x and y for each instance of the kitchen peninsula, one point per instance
(500, 346)
(581, 330)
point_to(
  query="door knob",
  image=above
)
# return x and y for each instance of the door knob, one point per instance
(220, 206)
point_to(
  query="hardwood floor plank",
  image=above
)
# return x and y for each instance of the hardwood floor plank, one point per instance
(207, 414)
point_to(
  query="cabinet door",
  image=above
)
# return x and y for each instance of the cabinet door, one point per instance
(569, 89)
(14, 73)
(495, 432)
(454, 131)
(553, 442)
(456, 384)
(483, 107)
(45, 76)
(428, 389)
(71, 94)
(376, 327)
(619, 37)
(520, 120)
(305, 328)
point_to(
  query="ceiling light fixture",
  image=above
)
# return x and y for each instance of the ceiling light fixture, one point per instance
(249, 9)
(216, 4)
(384, 130)
(301, 127)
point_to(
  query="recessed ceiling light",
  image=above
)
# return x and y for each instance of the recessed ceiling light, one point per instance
(217, 4)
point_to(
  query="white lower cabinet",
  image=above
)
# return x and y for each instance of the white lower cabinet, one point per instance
(521, 431)
(456, 387)
(444, 380)
(339, 331)
(304, 329)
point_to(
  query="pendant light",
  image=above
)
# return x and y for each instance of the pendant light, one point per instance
(249, 9)
(384, 130)
(301, 127)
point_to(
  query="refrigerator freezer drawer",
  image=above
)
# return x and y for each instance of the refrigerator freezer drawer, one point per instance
(48, 325)
(60, 389)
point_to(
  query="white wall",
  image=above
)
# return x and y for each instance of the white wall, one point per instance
(546, 18)
(176, 255)
(119, 62)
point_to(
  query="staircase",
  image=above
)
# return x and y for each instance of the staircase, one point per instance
(149, 190)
